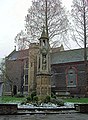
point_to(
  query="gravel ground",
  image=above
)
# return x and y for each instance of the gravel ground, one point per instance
(63, 116)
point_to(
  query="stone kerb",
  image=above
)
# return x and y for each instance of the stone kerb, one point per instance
(82, 108)
(8, 108)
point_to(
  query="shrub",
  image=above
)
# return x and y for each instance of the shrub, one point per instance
(23, 103)
(54, 96)
(28, 98)
(33, 94)
(35, 98)
(59, 102)
(47, 99)
(53, 100)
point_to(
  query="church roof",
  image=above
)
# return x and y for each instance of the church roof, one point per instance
(68, 56)
(57, 56)
(21, 54)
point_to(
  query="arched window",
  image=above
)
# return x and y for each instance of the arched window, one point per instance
(71, 77)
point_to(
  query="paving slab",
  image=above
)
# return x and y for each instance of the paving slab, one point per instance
(63, 116)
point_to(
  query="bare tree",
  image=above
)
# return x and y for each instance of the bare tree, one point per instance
(4, 76)
(57, 22)
(80, 17)
(2, 69)
(80, 22)
(22, 41)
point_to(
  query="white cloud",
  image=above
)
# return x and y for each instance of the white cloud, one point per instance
(12, 16)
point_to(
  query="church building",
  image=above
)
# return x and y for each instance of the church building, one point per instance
(66, 68)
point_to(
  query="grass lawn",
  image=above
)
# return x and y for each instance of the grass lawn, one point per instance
(76, 100)
(11, 99)
(5, 99)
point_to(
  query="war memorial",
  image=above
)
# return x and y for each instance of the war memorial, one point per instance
(43, 88)
(44, 70)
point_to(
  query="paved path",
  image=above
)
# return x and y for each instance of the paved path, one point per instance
(64, 116)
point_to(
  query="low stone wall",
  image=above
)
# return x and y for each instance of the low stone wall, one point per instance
(8, 108)
(83, 108)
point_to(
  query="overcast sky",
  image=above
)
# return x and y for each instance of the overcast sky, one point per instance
(12, 16)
